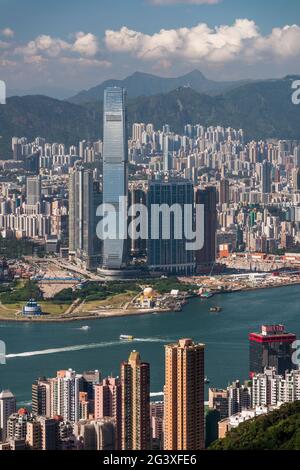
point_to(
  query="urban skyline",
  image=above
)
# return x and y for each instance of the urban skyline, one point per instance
(149, 228)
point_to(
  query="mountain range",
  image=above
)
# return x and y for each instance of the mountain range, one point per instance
(144, 84)
(264, 109)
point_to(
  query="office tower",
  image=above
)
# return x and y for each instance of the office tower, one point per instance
(184, 396)
(224, 195)
(32, 163)
(89, 380)
(84, 197)
(272, 347)
(7, 408)
(206, 257)
(138, 247)
(33, 190)
(115, 177)
(167, 249)
(296, 179)
(266, 177)
(41, 397)
(108, 403)
(135, 383)
(239, 397)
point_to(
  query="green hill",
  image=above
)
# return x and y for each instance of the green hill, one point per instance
(278, 430)
(263, 109)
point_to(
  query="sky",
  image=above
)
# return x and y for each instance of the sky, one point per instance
(76, 44)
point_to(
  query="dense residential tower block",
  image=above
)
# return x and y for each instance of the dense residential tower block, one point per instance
(135, 382)
(184, 396)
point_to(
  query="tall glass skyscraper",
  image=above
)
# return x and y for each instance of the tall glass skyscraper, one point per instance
(115, 176)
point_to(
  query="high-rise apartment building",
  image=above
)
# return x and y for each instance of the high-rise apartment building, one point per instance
(135, 383)
(224, 195)
(184, 396)
(41, 398)
(7, 407)
(115, 177)
(108, 404)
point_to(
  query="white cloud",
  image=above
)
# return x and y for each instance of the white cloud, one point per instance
(7, 32)
(86, 44)
(241, 41)
(44, 44)
(189, 2)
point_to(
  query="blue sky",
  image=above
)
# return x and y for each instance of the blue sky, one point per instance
(79, 43)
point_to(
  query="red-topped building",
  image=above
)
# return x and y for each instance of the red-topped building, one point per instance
(272, 347)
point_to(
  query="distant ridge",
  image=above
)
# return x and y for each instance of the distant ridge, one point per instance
(144, 84)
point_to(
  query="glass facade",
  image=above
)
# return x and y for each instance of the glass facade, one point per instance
(115, 178)
(169, 255)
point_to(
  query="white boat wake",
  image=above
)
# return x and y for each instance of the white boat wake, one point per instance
(82, 347)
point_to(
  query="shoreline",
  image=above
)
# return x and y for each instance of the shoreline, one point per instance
(115, 313)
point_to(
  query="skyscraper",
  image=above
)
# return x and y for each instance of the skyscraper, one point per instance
(33, 190)
(135, 383)
(206, 257)
(184, 396)
(115, 177)
(108, 404)
(224, 196)
(41, 398)
(7, 407)
(84, 197)
(168, 252)
(266, 177)
(273, 347)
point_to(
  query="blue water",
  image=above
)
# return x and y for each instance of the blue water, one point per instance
(40, 349)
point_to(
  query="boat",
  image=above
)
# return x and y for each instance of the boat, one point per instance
(206, 380)
(206, 295)
(85, 328)
(126, 337)
(215, 309)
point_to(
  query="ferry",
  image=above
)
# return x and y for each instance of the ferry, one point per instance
(206, 295)
(215, 309)
(126, 337)
(206, 380)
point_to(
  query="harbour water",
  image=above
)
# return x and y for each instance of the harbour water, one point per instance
(35, 350)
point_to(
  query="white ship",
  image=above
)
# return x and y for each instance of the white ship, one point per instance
(127, 337)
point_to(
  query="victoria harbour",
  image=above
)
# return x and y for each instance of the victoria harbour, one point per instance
(37, 349)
